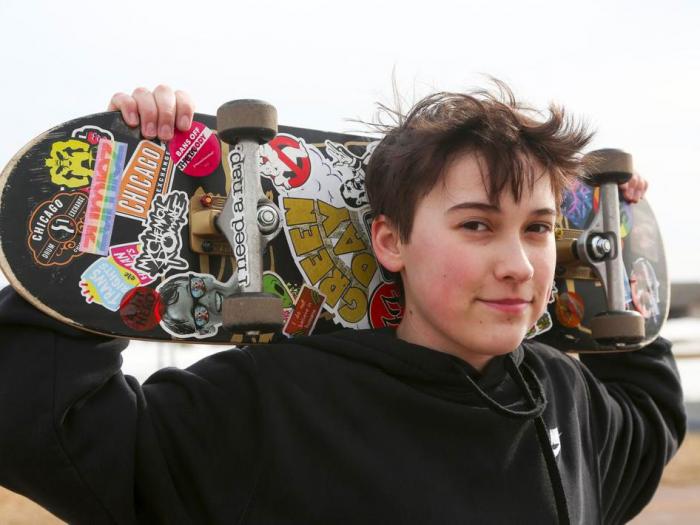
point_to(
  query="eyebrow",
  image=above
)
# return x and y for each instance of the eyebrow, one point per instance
(493, 208)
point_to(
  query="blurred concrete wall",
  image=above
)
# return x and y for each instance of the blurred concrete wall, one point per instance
(685, 300)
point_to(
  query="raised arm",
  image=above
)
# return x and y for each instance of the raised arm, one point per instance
(638, 423)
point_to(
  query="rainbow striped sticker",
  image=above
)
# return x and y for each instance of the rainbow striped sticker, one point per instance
(104, 190)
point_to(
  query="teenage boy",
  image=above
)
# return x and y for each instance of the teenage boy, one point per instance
(451, 418)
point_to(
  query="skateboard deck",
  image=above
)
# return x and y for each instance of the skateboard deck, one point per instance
(579, 295)
(107, 231)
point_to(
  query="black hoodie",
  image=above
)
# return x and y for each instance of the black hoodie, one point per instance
(351, 427)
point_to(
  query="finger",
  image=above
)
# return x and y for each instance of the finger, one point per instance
(638, 185)
(645, 187)
(628, 191)
(165, 102)
(127, 105)
(185, 110)
(147, 110)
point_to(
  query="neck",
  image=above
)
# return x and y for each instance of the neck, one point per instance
(476, 360)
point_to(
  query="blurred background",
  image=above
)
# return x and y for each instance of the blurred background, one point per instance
(631, 69)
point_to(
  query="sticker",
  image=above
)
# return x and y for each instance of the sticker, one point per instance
(645, 289)
(305, 314)
(71, 163)
(325, 220)
(627, 285)
(351, 169)
(55, 227)
(273, 284)
(385, 308)
(148, 173)
(92, 134)
(543, 324)
(141, 309)
(333, 252)
(596, 199)
(107, 280)
(285, 161)
(197, 152)
(238, 222)
(569, 309)
(626, 219)
(99, 218)
(577, 204)
(125, 256)
(161, 240)
(191, 304)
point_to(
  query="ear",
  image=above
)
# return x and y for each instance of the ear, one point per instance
(386, 244)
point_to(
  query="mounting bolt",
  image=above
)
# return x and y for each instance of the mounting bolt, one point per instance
(601, 247)
(207, 246)
(268, 220)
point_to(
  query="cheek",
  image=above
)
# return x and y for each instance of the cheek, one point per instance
(546, 262)
(544, 265)
(450, 273)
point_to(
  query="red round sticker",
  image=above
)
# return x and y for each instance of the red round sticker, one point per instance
(196, 152)
(385, 308)
(141, 309)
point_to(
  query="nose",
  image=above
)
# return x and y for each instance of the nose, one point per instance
(513, 262)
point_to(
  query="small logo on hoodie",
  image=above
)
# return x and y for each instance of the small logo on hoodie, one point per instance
(555, 441)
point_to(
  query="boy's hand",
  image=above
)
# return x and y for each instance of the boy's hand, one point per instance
(634, 189)
(158, 111)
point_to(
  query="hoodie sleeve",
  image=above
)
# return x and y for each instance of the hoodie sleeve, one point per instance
(93, 446)
(638, 423)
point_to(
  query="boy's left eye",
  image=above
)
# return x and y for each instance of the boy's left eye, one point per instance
(475, 226)
(540, 227)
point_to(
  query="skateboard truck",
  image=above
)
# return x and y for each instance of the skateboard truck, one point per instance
(600, 247)
(248, 220)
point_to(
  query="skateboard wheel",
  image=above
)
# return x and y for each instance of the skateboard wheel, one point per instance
(246, 119)
(608, 165)
(615, 328)
(253, 311)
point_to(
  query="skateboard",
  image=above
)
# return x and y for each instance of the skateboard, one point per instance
(248, 232)
(611, 290)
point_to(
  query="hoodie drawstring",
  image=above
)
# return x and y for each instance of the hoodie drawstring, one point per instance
(538, 402)
(544, 442)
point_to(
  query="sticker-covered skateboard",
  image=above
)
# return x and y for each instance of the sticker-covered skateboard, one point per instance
(117, 234)
(582, 292)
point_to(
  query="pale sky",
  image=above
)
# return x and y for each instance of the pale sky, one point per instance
(632, 69)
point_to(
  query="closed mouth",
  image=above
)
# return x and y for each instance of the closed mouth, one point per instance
(507, 306)
(508, 301)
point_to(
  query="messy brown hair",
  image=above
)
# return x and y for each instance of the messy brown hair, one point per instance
(505, 134)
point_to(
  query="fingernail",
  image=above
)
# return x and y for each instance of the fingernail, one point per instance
(184, 123)
(151, 130)
(165, 132)
(133, 119)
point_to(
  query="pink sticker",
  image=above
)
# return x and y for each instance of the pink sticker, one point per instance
(125, 256)
(196, 152)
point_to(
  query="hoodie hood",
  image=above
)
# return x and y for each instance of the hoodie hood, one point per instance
(502, 387)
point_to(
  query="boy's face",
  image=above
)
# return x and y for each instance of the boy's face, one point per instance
(476, 277)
